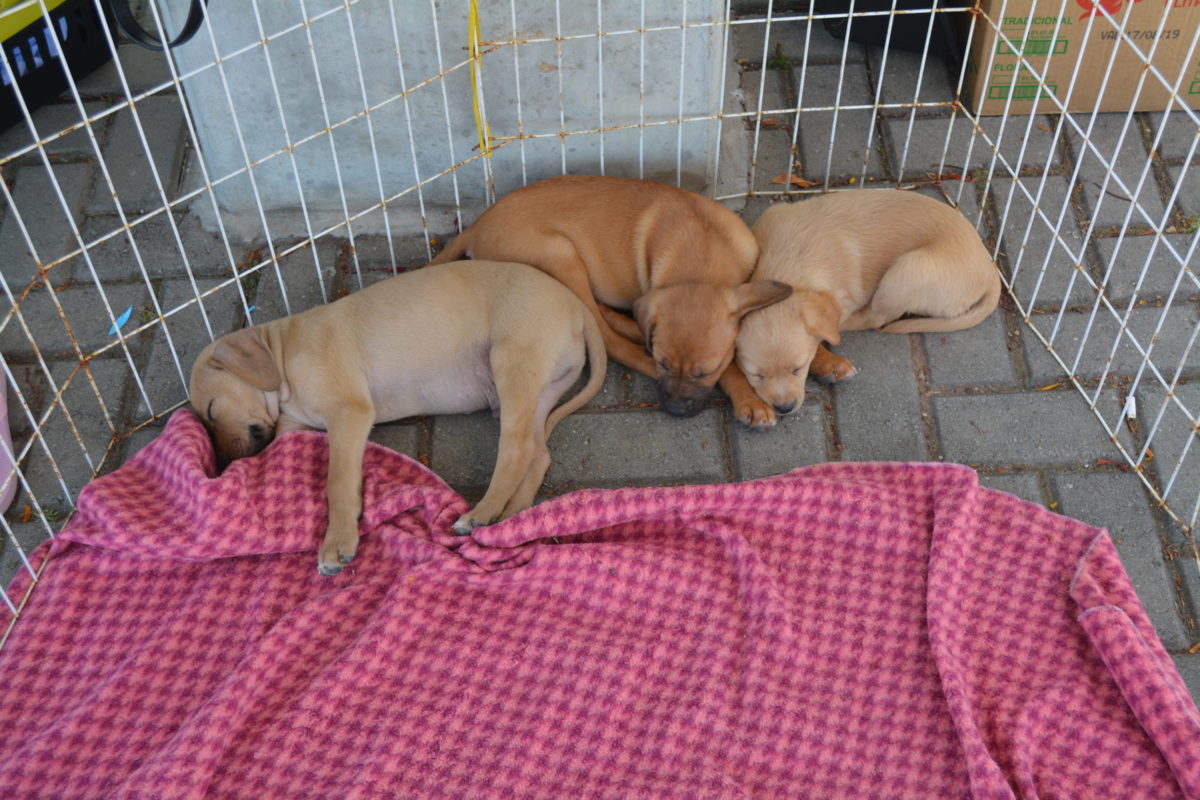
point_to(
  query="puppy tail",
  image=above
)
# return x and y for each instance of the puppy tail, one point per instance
(453, 251)
(597, 368)
(974, 315)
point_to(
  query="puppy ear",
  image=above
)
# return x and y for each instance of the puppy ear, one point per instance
(758, 294)
(643, 312)
(822, 315)
(245, 354)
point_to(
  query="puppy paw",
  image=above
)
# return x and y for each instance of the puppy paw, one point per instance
(336, 552)
(755, 414)
(841, 372)
(465, 524)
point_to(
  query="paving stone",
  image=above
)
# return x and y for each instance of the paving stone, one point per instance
(796, 40)
(44, 221)
(1109, 207)
(978, 356)
(89, 321)
(970, 148)
(403, 437)
(774, 134)
(131, 170)
(144, 69)
(1173, 427)
(1118, 502)
(1172, 342)
(465, 446)
(1024, 485)
(28, 536)
(134, 442)
(29, 384)
(1131, 254)
(897, 77)
(623, 448)
(878, 414)
(203, 253)
(797, 440)
(50, 121)
(165, 381)
(1189, 193)
(79, 450)
(1189, 669)
(303, 283)
(1027, 237)
(1179, 136)
(376, 253)
(851, 130)
(1024, 429)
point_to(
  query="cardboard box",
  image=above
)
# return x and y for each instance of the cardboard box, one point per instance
(1007, 46)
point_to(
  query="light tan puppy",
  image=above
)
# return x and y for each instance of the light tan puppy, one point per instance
(859, 260)
(440, 340)
(679, 260)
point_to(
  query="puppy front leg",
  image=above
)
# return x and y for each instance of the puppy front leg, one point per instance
(748, 408)
(349, 427)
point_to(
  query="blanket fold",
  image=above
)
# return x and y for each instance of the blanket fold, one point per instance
(843, 631)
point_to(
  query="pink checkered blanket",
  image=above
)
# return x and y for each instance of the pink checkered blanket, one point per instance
(844, 631)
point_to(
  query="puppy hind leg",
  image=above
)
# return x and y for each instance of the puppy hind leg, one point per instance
(515, 386)
(526, 493)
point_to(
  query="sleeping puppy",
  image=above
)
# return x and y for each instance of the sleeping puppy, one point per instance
(858, 260)
(678, 260)
(441, 340)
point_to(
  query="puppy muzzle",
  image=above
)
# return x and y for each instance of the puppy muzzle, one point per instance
(681, 405)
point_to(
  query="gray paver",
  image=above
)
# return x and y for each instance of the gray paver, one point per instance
(50, 121)
(301, 280)
(166, 381)
(619, 448)
(1179, 136)
(970, 148)
(797, 40)
(131, 170)
(878, 414)
(1053, 428)
(1108, 200)
(1189, 194)
(1172, 343)
(851, 129)
(203, 253)
(143, 70)
(1128, 257)
(977, 356)
(897, 77)
(43, 219)
(1024, 485)
(1117, 501)
(1174, 427)
(1189, 669)
(797, 440)
(74, 447)
(1027, 237)
(89, 321)
(402, 437)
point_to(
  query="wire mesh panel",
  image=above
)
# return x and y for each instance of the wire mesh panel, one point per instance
(294, 151)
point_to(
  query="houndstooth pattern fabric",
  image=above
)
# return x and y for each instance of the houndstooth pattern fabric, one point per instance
(844, 631)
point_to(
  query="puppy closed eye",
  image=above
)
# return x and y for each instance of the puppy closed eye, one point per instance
(798, 371)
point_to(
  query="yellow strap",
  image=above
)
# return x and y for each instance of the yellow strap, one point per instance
(481, 126)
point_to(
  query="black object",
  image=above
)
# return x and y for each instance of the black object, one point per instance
(131, 28)
(908, 30)
(35, 55)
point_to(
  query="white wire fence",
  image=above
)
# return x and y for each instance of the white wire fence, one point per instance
(293, 151)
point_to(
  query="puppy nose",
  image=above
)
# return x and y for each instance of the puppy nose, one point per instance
(785, 408)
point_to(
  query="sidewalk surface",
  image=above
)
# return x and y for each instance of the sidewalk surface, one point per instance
(990, 397)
